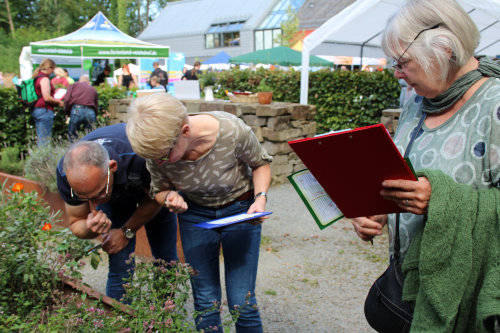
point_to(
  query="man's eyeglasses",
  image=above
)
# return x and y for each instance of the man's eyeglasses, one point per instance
(395, 64)
(100, 196)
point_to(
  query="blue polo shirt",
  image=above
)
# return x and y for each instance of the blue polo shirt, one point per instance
(131, 179)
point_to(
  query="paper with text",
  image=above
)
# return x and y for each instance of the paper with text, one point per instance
(318, 202)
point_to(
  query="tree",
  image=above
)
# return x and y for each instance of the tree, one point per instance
(9, 17)
(290, 33)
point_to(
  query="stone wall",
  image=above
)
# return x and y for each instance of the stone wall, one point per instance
(274, 124)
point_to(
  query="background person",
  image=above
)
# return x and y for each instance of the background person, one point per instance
(155, 83)
(81, 104)
(127, 79)
(69, 78)
(101, 78)
(449, 248)
(192, 74)
(60, 80)
(206, 166)
(105, 186)
(160, 74)
(43, 112)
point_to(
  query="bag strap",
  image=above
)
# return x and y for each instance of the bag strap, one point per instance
(397, 245)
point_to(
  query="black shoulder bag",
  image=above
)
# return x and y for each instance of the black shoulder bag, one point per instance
(385, 309)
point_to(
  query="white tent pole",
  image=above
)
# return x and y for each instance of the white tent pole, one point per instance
(304, 75)
(81, 60)
(139, 76)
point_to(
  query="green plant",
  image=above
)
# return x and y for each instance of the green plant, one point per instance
(207, 79)
(343, 99)
(15, 127)
(34, 255)
(105, 93)
(10, 162)
(157, 296)
(42, 161)
(264, 87)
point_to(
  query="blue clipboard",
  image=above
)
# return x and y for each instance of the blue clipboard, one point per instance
(231, 220)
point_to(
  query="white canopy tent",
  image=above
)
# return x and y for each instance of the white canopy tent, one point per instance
(97, 39)
(361, 24)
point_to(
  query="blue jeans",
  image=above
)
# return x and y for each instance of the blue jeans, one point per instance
(162, 236)
(44, 120)
(240, 244)
(80, 115)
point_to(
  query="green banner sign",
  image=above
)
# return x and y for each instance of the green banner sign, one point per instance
(101, 51)
(70, 51)
(124, 52)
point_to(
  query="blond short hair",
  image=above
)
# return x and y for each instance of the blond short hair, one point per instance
(59, 72)
(154, 124)
(457, 33)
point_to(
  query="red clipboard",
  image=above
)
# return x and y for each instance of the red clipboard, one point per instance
(351, 165)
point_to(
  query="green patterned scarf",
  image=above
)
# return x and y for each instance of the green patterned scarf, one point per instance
(486, 68)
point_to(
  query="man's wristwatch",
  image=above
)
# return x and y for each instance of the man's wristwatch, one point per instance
(128, 233)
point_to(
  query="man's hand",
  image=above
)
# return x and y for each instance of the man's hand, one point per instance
(98, 222)
(114, 241)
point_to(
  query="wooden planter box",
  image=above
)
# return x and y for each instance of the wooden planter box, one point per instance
(56, 204)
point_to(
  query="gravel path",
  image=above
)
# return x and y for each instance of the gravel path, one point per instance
(309, 280)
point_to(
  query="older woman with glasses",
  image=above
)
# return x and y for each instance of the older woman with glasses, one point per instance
(207, 166)
(447, 240)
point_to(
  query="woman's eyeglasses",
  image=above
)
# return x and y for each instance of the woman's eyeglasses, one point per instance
(100, 196)
(167, 155)
(396, 63)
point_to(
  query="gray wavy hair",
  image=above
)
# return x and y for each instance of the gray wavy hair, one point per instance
(457, 35)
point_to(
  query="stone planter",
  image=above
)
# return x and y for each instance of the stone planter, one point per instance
(56, 204)
(265, 97)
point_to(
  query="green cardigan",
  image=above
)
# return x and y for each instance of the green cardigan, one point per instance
(453, 266)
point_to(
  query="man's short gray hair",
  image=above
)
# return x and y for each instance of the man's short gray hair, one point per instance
(84, 78)
(83, 153)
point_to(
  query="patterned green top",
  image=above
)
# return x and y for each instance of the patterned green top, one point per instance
(466, 147)
(222, 174)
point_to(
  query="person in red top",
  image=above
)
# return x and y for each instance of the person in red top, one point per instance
(60, 80)
(81, 104)
(43, 112)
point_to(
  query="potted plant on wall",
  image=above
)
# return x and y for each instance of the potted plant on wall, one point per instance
(264, 92)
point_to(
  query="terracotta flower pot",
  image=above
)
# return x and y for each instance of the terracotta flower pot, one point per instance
(265, 97)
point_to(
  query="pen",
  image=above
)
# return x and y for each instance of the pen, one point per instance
(371, 241)
(94, 248)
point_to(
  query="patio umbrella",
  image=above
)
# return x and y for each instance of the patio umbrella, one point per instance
(281, 55)
(219, 58)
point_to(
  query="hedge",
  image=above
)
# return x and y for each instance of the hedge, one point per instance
(17, 127)
(343, 99)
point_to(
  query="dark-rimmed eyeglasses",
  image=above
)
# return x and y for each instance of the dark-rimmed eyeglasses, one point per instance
(100, 196)
(395, 63)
